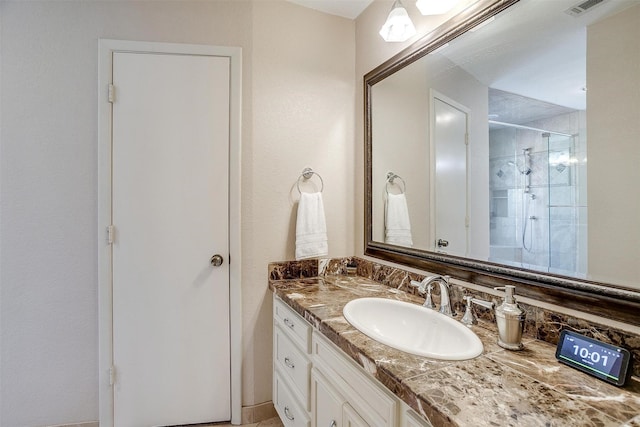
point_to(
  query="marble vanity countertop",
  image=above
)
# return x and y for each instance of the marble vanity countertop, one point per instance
(498, 388)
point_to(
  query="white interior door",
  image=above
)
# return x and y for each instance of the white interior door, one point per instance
(171, 343)
(450, 168)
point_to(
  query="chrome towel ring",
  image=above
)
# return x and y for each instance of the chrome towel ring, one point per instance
(390, 180)
(306, 174)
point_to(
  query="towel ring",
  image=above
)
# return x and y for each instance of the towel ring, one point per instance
(390, 178)
(306, 174)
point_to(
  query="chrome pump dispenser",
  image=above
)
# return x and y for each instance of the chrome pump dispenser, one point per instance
(510, 320)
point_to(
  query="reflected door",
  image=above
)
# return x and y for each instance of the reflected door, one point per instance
(449, 165)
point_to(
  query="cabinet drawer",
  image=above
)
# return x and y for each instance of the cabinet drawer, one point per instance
(290, 412)
(377, 405)
(292, 363)
(293, 324)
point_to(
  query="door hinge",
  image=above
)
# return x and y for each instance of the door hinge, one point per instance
(466, 139)
(466, 221)
(111, 93)
(112, 375)
(110, 234)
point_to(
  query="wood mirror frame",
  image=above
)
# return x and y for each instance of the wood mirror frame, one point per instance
(597, 298)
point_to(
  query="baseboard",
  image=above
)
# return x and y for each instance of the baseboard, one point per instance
(91, 424)
(257, 413)
(250, 415)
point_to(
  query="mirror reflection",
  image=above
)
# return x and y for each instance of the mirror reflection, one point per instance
(515, 143)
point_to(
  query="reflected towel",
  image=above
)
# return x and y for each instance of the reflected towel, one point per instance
(311, 229)
(397, 225)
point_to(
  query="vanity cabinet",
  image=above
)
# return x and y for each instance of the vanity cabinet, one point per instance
(316, 385)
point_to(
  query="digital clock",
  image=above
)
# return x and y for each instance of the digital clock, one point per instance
(605, 361)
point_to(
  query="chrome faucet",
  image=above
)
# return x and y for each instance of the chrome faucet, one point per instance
(425, 287)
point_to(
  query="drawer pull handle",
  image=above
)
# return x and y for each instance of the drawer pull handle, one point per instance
(333, 424)
(288, 362)
(289, 323)
(287, 413)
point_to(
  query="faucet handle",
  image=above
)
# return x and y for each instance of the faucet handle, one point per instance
(469, 317)
(422, 288)
(418, 285)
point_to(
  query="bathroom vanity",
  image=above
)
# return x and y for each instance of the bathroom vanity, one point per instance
(316, 384)
(327, 373)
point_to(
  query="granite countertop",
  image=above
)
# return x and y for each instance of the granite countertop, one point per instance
(500, 387)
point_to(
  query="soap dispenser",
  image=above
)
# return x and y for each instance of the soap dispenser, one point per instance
(510, 320)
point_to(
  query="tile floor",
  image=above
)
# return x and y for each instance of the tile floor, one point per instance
(273, 422)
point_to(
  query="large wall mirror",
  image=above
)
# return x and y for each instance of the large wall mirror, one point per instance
(504, 147)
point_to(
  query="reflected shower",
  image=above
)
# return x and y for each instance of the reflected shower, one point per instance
(536, 186)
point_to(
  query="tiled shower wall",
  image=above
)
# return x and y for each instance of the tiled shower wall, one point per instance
(541, 323)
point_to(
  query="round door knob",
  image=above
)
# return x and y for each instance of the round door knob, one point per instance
(217, 260)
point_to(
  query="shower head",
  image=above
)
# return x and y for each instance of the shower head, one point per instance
(526, 171)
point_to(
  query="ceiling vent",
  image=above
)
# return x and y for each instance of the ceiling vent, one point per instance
(582, 7)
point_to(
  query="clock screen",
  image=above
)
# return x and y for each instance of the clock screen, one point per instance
(601, 360)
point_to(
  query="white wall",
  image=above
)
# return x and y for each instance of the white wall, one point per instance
(613, 117)
(48, 166)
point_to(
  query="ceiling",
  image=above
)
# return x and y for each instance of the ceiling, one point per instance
(346, 8)
(533, 51)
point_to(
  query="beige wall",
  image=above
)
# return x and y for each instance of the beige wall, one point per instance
(400, 121)
(303, 97)
(298, 97)
(613, 117)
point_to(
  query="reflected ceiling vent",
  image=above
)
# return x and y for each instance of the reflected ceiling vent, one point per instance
(582, 7)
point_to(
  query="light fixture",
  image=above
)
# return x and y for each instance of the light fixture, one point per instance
(398, 26)
(435, 7)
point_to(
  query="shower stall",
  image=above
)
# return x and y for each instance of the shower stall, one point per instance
(538, 199)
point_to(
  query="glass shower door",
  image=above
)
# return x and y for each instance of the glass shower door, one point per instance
(567, 211)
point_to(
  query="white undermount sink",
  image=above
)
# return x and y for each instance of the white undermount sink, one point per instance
(413, 329)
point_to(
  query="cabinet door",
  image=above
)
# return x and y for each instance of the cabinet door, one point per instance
(351, 417)
(411, 419)
(327, 402)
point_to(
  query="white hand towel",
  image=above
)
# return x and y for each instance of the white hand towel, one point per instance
(397, 224)
(311, 228)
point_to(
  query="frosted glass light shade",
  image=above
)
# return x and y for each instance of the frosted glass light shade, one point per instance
(435, 7)
(398, 26)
